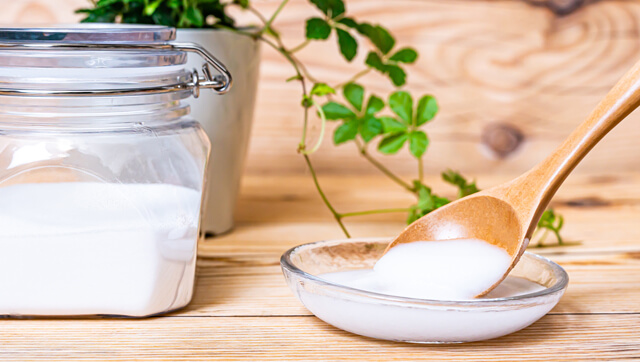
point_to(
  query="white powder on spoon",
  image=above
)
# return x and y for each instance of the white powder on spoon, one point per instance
(441, 270)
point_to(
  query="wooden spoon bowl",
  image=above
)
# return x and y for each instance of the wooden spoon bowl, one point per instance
(481, 217)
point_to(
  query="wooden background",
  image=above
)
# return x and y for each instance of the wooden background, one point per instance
(513, 78)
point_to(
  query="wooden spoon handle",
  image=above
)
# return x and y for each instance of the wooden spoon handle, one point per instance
(551, 173)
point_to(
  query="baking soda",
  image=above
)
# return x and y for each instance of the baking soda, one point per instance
(441, 270)
(96, 248)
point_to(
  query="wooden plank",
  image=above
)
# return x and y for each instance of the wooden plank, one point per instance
(555, 337)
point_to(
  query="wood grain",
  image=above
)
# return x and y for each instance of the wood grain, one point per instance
(489, 63)
(555, 337)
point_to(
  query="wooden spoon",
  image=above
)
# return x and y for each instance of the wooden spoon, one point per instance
(507, 215)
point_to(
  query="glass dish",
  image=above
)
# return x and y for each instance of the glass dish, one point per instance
(407, 319)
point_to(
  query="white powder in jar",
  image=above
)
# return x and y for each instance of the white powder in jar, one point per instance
(97, 248)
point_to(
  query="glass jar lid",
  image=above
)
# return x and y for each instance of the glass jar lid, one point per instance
(102, 60)
(91, 33)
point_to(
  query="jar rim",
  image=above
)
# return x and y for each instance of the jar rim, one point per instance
(93, 34)
(90, 33)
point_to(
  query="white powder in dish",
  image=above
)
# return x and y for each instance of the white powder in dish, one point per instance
(96, 248)
(441, 270)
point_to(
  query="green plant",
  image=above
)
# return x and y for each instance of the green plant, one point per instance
(175, 13)
(363, 119)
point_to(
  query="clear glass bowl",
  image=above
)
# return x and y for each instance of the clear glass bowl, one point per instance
(407, 319)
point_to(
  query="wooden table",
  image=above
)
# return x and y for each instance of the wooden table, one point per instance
(242, 308)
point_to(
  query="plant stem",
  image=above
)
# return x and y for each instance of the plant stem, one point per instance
(302, 146)
(299, 46)
(358, 75)
(323, 127)
(294, 63)
(420, 170)
(257, 14)
(557, 233)
(386, 171)
(371, 212)
(336, 215)
(306, 72)
(279, 46)
(382, 168)
(267, 25)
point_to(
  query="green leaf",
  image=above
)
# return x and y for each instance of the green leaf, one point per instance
(427, 200)
(418, 143)
(152, 7)
(333, 111)
(374, 61)
(332, 8)
(105, 3)
(348, 22)
(194, 16)
(164, 18)
(465, 188)
(354, 93)
(318, 29)
(552, 222)
(427, 109)
(378, 35)
(174, 4)
(243, 3)
(370, 128)
(348, 44)
(393, 143)
(346, 132)
(401, 104)
(322, 89)
(306, 101)
(396, 74)
(405, 55)
(413, 216)
(392, 125)
(374, 105)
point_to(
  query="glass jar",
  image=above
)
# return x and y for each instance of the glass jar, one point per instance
(101, 170)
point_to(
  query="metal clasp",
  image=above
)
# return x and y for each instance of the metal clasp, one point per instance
(220, 83)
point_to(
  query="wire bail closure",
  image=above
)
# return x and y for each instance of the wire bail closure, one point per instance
(220, 83)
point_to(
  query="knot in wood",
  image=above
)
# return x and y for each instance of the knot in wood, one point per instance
(559, 7)
(502, 139)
